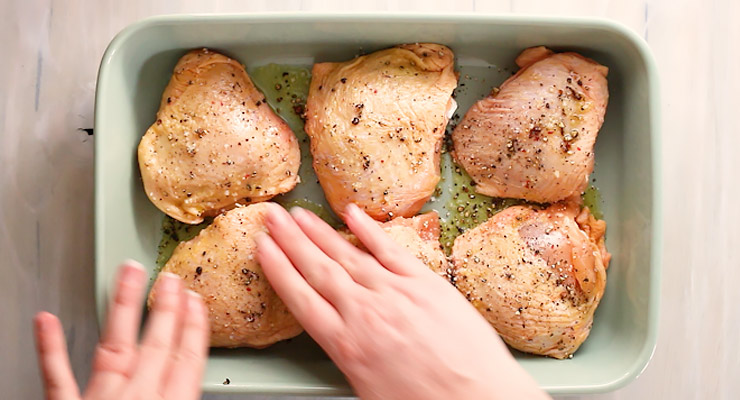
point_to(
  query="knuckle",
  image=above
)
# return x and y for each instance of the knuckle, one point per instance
(196, 320)
(113, 357)
(126, 295)
(348, 351)
(114, 350)
(324, 273)
(156, 343)
(304, 302)
(394, 255)
(306, 307)
(416, 295)
(371, 318)
(54, 382)
(189, 356)
(166, 303)
(327, 266)
(358, 260)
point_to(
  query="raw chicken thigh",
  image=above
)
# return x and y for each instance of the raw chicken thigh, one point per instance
(215, 142)
(376, 125)
(221, 265)
(533, 138)
(537, 275)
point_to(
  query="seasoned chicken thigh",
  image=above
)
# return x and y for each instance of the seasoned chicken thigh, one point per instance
(537, 275)
(221, 265)
(419, 234)
(376, 125)
(215, 142)
(533, 138)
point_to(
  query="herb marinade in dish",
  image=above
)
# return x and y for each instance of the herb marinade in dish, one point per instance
(460, 208)
(384, 131)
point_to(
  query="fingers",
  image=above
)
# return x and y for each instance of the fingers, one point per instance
(59, 382)
(160, 332)
(314, 313)
(115, 355)
(189, 359)
(124, 316)
(392, 256)
(363, 268)
(321, 272)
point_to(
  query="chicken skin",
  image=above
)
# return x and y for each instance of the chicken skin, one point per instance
(221, 265)
(376, 125)
(533, 138)
(419, 234)
(537, 275)
(215, 142)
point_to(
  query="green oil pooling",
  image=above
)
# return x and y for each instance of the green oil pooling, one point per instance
(592, 199)
(286, 89)
(461, 208)
(174, 232)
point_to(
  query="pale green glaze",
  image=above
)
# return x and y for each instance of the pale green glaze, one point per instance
(174, 232)
(459, 207)
(137, 66)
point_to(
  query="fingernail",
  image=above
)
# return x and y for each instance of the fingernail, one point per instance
(132, 272)
(275, 214)
(133, 263)
(260, 236)
(299, 213)
(351, 209)
(169, 282)
(42, 321)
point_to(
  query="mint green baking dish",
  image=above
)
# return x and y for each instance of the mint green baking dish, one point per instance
(137, 66)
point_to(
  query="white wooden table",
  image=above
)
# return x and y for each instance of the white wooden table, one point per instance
(50, 54)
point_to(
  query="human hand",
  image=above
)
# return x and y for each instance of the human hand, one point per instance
(167, 364)
(395, 328)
